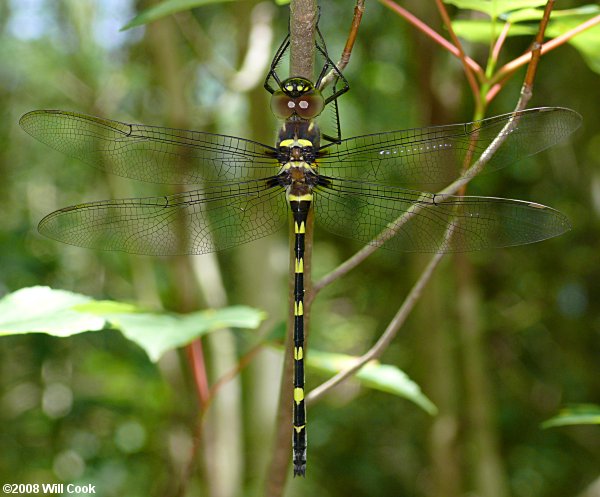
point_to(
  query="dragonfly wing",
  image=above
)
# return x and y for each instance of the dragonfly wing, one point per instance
(440, 154)
(414, 221)
(150, 153)
(194, 222)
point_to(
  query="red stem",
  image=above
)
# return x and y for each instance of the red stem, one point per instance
(500, 42)
(434, 35)
(461, 53)
(546, 47)
(196, 356)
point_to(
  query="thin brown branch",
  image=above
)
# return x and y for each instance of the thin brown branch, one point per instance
(196, 359)
(231, 374)
(303, 16)
(515, 64)
(393, 228)
(495, 88)
(366, 251)
(434, 35)
(461, 53)
(415, 292)
(388, 335)
(188, 470)
(536, 53)
(303, 19)
(493, 91)
(344, 268)
(495, 54)
(359, 10)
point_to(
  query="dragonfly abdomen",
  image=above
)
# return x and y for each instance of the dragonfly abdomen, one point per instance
(300, 206)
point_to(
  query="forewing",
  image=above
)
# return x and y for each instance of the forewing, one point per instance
(438, 155)
(150, 153)
(410, 221)
(195, 222)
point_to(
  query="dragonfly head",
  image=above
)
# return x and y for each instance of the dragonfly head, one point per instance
(297, 97)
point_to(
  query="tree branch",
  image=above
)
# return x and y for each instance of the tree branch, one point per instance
(435, 36)
(513, 65)
(536, 53)
(303, 20)
(388, 335)
(303, 17)
(332, 75)
(469, 73)
(411, 299)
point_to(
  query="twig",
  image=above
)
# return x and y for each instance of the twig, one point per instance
(393, 228)
(434, 35)
(388, 335)
(359, 10)
(513, 65)
(188, 470)
(244, 361)
(469, 73)
(415, 292)
(366, 251)
(196, 358)
(397, 224)
(536, 53)
(495, 53)
(303, 16)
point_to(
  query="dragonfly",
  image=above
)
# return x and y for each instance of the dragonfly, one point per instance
(358, 187)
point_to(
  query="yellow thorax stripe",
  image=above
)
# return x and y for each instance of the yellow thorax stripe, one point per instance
(300, 142)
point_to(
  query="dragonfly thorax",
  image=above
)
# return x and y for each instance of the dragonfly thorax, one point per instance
(298, 176)
(298, 140)
(296, 150)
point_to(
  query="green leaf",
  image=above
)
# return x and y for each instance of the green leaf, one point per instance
(526, 15)
(385, 378)
(494, 8)
(581, 414)
(41, 309)
(282, 2)
(480, 30)
(61, 313)
(586, 42)
(103, 307)
(166, 8)
(159, 333)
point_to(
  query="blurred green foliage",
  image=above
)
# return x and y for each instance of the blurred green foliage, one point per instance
(93, 409)
(64, 314)
(584, 414)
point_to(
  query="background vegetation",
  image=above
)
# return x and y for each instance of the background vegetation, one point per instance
(499, 344)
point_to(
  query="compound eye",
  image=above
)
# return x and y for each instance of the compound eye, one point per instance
(282, 106)
(310, 105)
